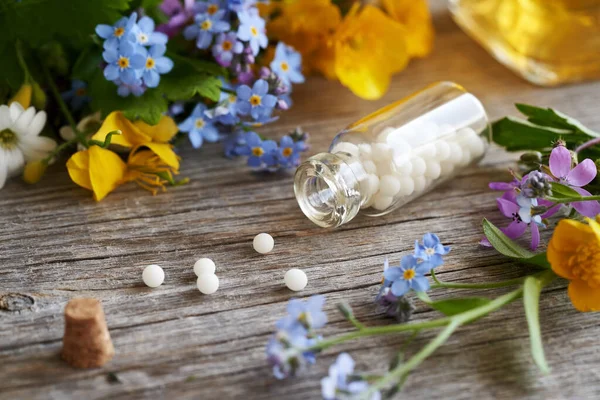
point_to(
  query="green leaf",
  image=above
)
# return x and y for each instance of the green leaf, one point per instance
(516, 134)
(149, 107)
(555, 119)
(191, 77)
(452, 307)
(72, 22)
(87, 64)
(504, 245)
(531, 298)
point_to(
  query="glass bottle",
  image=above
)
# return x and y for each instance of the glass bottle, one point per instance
(548, 42)
(393, 155)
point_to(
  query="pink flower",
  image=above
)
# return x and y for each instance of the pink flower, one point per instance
(575, 178)
(178, 14)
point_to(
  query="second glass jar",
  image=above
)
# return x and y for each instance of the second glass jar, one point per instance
(394, 155)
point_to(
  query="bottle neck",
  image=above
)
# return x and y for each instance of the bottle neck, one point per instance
(327, 188)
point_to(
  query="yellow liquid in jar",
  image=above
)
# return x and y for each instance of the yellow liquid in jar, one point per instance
(548, 42)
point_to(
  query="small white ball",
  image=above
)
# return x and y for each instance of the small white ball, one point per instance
(207, 283)
(381, 151)
(442, 150)
(403, 167)
(418, 166)
(153, 276)
(263, 243)
(295, 279)
(369, 167)
(427, 151)
(365, 151)
(383, 136)
(476, 146)
(456, 153)
(381, 202)
(419, 183)
(433, 169)
(204, 266)
(345, 147)
(385, 168)
(389, 185)
(370, 185)
(407, 185)
(447, 167)
(466, 157)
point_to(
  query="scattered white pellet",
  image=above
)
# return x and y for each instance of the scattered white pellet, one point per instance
(389, 185)
(295, 279)
(346, 147)
(263, 243)
(407, 185)
(433, 170)
(153, 276)
(381, 202)
(207, 283)
(418, 166)
(204, 266)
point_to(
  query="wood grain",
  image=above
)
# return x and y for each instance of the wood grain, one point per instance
(56, 243)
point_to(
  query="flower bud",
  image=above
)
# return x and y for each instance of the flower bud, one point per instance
(34, 171)
(23, 96)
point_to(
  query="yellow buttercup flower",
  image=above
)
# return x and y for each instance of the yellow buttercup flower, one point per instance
(574, 254)
(139, 134)
(149, 171)
(414, 16)
(369, 48)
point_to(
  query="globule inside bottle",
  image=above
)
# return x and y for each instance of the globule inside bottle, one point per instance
(394, 155)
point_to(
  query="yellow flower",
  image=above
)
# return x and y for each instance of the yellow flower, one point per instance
(574, 254)
(34, 170)
(369, 48)
(149, 171)
(97, 169)
(23, 96)
(139, 134)
(307, 26)
(414, 16)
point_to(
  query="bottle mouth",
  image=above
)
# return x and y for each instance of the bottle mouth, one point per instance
(327, 190)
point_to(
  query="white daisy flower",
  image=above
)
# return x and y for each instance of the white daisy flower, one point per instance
(19, 139)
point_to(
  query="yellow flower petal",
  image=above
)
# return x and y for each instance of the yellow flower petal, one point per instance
(23, 96)
(567, 237)
(369, 48)
(165, 152)
(414, 16)
(107, 171)
(34, 171)
(584, 297)
(130, 134)
(161, 132)
(79, 169)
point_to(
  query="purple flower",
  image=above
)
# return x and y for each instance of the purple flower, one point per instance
(252, 30)
(178, 14)
(119, 32)
(205, 27)
(409, 275)
(287, 64)
(123, 63)
(340, 384)
(256, 101)
(225, 47)
(136, 88)
(261, 153)
(576, 178)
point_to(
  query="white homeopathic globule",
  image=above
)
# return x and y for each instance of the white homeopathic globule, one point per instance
(207, 283)
(295, 279)
(153, 276)
(204, 266)
(263, 243)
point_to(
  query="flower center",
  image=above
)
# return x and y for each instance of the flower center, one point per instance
(288, 151)
(206, 25)
(257, 151)
(253, 31)
(8, 139)
(255, 100)
(585, 264)
(123, 62)
(430, 251)
(150, 63)
(227, 45)
(232, 98)
(213, 8)
(199, 123)
(285, 66)
(119, 31)
(80, 92)
(408, 274)
(142, 38)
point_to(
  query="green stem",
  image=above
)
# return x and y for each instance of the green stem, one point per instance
(572, 199)
(60, 148)
(63, 107)
(21, 60)
(450, 285)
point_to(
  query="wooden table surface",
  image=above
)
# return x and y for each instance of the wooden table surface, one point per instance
(56, 243)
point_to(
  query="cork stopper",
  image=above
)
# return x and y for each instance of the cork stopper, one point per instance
(86, 343)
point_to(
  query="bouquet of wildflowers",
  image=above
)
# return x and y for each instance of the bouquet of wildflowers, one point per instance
(555, 188)
(117, 83)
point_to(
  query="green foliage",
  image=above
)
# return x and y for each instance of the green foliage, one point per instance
(87, 64)
(562, 192)
(451, 307)
(504, 245)
(191, 77)
(554, 119)
(531, 297)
